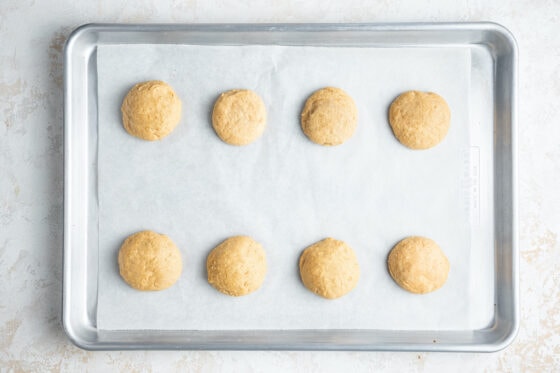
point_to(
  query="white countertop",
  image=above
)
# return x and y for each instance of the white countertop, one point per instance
(32, 35)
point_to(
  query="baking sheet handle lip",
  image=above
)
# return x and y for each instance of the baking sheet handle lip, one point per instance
(77, 328)
(515, 205)
(105, 342)
(204, 346)
(279, 27)
(508, 329)
(66, 257)
(515, 321)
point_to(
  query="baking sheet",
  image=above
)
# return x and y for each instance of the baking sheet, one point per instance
(283, 190)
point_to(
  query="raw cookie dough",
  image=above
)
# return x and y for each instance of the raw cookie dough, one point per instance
(420, 120)
(151, 110)
(329, 116)
(237, 266)
(417, 264)
(329, 268)
(239, 117)
(149, 261)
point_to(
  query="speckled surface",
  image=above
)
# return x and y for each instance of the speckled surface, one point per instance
(32, 35)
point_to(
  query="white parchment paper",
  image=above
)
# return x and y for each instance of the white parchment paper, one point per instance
(283, 190)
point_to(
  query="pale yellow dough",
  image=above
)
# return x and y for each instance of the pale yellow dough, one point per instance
(237, 266)
(239, 117)
(329, 268)
(151, 110)
(329, 117)
(420, 120)
(418, 264)
(149, 261)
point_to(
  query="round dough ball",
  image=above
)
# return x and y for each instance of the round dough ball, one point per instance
(329, 268)
(420, 120)
(237, 266)
(239, 117)
(329, 116)
(418, 264)
(151, 110)
(149, 261)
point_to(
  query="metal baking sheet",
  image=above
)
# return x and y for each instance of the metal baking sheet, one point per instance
(490, 186)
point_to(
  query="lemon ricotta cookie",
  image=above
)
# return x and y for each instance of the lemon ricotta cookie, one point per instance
(419, 120)
(418, 264)
(329, 268)
(237, 266)
(151, 110)
(329, 117)
(149, 261)
(239, 117)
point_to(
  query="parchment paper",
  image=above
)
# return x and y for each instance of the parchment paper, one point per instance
(283, 190)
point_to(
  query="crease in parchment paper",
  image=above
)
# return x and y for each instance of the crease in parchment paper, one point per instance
(283, 190)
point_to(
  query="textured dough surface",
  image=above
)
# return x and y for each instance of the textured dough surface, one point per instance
(329, 268)
(329, 116)
(151, 110)
(237, 266)
(239, 117)
(420, 120)
(149, 261)
(418, 264)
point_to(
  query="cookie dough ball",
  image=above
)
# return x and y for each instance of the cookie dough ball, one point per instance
(329, 268)
(151, 110)
(420, 120)
(329, 116)
(239, 117)
(237, 266)
(417, 264)
(149, 261)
